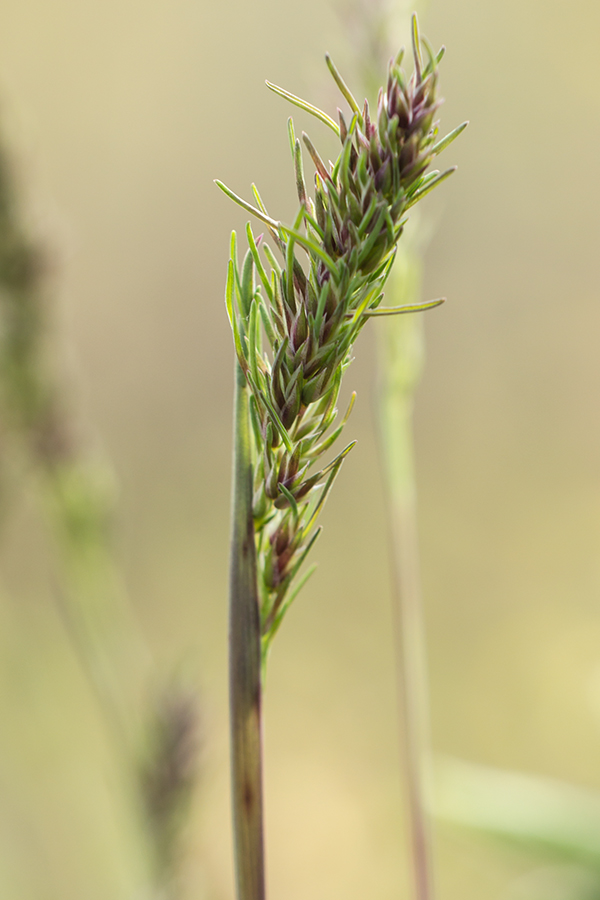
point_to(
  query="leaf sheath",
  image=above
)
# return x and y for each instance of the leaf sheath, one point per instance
(245, 666)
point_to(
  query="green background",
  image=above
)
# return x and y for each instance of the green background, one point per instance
(119, 115)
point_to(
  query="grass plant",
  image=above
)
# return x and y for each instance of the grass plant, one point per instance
(295, 318)
(294, 323)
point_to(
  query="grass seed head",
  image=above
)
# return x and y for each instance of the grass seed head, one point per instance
(335, 261)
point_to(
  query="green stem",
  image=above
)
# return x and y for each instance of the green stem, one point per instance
(92, 598)
(398, 379)
(245, 667)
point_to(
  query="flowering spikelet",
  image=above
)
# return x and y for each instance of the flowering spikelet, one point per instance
(310, 314)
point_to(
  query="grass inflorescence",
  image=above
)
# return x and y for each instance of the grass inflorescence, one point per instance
(295, 320)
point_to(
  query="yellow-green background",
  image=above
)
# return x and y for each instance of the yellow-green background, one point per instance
(120, 114)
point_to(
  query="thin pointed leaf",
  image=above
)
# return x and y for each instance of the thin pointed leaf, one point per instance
(282, 431)
(370, 298)
(366, 219)
(307, 107)
(399, 310)
(418, 195)
(267, 324)
(321, 448)
(255, 421)
(371, 240)
(446, 141)
(257, 262)
(315, 226)
(259, 199)
(343, 164)
(308, 244)
(272, 260)
(299, 170)
(247, 286)
(279, 310)
(290, 259)
(253, 342)
(303, 555)
(314, 155)
(289, 274)
(334, 468)
(233, 248)
(339, 458)
(321, 308)
(345, 90)
(237, 341)
(416, 44)
(234, 259)
(289, 599)
(290, 499)
(247, 206)
(432, 57)
(268, 624)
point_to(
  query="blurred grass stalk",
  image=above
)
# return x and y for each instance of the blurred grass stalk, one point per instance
(154, 735)
(545, 816)
(555, 823)
(374, 28)
(400, 360)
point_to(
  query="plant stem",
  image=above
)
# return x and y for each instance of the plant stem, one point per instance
(92, 598)
(401, 366)
(245, 666)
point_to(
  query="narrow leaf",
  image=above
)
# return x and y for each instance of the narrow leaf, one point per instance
(247, 286)
(247, 206)
(290, 499)
(259, 199)
(307, 107)
(334, 469)
(289, 599)
(314, 155)
(272, 260)
(282, 431)
(268, 623)
(257, 262)
(416, 44)
(370, 242)
(291, 135)
(300, 185)
(345, 90)
(267, 324)
(418, 195)
(231, 315)
(253, 342)
(446, 141)
(321, 448)
(399, 310)
(308, 244)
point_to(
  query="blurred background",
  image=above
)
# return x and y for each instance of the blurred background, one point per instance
(118, 115)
